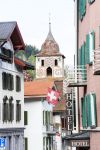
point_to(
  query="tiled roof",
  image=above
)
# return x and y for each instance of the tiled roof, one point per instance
(23, 64)
(50, 46)
(37, 87)
(10, 30)
(6, 29)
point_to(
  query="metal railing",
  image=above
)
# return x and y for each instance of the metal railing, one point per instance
(76, 76)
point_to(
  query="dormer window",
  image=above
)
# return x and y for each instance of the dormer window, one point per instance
(56, 62)
(42, 62)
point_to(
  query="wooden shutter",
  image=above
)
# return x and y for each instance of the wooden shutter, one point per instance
(93, 110)
(26, 143)
(46, 117)
(5, 111)
(25, 118)
(12, 112)
(83, 112)
(51, 118)
(4, 80)
(90, 1)
(92, 45)
(84, 7)
(18, 83)
(9, 81)
(88, 111)
(19, 112)
(87, 49)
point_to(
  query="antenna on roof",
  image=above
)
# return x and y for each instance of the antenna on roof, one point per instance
(49, 22)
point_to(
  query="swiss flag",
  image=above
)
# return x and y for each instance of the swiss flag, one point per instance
(52, 96)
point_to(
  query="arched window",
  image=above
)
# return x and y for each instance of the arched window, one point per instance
(11, 109)
(49, 71)
(56, 62)
(5, 109)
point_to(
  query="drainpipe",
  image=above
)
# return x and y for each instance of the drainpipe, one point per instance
(76, 64)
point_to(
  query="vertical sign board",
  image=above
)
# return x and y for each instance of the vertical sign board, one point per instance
(69, 112)
(2, 143)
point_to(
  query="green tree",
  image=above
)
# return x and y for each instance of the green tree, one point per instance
(30, 50)
(21, 54)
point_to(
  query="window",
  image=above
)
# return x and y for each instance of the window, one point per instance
(42, 62)
(47, 118)
(25, 118)
(7, 81)
(11, 109)
(56, 62)
(18, 84)
(88, 111)
(7, 55)
(18, 110)
(63, 123)
(26, 143)
(5, 109)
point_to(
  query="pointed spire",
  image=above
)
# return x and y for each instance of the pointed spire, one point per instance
(50, 36)
(49, 22)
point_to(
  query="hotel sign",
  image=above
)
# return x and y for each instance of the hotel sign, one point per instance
(80, 143)
(69, 112)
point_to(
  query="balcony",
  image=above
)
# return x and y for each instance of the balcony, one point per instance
(96, 62)
(75, 78)
(49, 129)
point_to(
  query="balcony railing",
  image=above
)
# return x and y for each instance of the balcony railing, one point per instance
(75, 78)
(49, 129)
(96, 62)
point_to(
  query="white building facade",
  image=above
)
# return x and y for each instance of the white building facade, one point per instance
(11, 89)
(39, 132)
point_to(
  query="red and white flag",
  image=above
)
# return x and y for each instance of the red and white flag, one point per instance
(52, 96)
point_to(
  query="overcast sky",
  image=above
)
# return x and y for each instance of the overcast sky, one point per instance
(32, 17)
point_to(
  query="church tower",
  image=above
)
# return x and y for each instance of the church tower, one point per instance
(49, 61)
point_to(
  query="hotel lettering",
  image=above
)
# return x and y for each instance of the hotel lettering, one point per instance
(69, 112)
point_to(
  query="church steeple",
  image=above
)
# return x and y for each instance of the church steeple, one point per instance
(50, 36)
(50, 47)
(49, 61)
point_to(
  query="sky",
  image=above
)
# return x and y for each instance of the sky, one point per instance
(32, 17)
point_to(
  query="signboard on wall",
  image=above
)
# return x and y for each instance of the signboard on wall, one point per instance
(69, 112)
(2, 143)
(80, 143)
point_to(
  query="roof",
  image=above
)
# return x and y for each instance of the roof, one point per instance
(78, 136)
(50, 46)
(61, 104)
(10, 30)
(37, 88)
(23, 64)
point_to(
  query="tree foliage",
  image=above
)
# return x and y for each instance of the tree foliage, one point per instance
(30, 50)
(29, 56)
